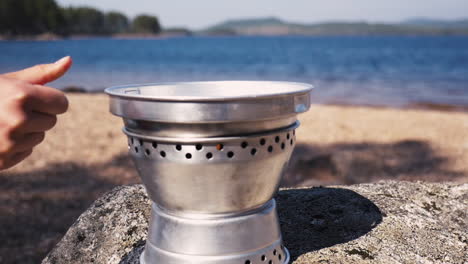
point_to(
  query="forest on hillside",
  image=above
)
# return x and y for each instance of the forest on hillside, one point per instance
(33, 17)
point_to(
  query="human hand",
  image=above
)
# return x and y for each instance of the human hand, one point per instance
(28, 109)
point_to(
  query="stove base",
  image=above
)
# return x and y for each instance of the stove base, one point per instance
(251, 237)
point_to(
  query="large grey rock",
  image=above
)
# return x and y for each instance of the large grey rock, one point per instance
(113, 225)
(385, 222)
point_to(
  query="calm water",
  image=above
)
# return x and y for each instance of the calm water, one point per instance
(394, 71)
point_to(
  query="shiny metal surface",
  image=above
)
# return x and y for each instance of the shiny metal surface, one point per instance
(249, 101)
(204, 131)
(223, 111)
(202, 177)
(209, 91)
(211, 156)
(196, 239)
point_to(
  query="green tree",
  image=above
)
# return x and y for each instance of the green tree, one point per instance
(84, 20)
(48, 16)
(30, 17)
(115, 22)
(146, 24)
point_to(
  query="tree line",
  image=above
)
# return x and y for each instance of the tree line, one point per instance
(31, 17)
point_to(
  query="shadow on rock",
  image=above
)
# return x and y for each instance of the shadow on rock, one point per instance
(134, 255)
(351, 163)
(316, 218)
(37, 208)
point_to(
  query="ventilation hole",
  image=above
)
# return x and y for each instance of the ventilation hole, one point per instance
(274, 252)
(178, 147)
(219, 146)
(162, 153)
(198, 146)
(230, 154)
(244, 144)
(270, 262)
(282, 145)
(209, 155)
(253, 151)
(279, 256)
(141, 142)
(294, 132)
(188, 156)
(262, 141)
(148, 152)
(131, 140)
(155, 145)
(248, 262)
(287, 136)
(291, 141)
(263, 257)
(136, 149)
(270, 149)
(277, 139)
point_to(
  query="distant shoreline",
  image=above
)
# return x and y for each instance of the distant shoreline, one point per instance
(273, 26)
(54, 37)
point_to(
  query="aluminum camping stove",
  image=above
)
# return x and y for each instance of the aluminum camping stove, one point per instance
(211, 156)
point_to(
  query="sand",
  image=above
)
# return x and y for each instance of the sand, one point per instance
(85, 156)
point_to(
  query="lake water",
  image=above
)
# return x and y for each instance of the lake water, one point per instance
(389, 71)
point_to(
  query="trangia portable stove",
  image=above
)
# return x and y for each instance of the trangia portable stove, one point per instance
(211, 156)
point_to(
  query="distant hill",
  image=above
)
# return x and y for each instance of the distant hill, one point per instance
(436, 23)
(275, 26)
(268, 21)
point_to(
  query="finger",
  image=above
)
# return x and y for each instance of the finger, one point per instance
(46, 100)
(37, 122)
(29, 141)
(44, 73)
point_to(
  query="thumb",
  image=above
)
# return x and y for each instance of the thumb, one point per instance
(44, 73)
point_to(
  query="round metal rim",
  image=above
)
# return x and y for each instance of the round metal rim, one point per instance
(112, 91)
(208, 140)
(217, 216)
(286, 259)
(285, 249)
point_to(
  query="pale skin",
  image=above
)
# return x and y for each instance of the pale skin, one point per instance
(28, 109)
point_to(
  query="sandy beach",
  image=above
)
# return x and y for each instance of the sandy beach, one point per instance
(86, 155)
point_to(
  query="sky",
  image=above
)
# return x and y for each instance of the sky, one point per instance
(197, 14)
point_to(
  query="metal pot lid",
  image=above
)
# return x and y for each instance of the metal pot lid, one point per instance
(206, 102)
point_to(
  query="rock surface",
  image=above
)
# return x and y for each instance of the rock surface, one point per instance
(384, 222)
(108, 230)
